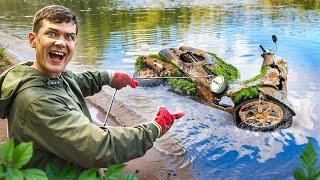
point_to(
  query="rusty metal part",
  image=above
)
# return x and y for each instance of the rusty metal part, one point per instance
(147, 73)
(267, 59)
(159, 66)
(279, 95)
(191, 68)
(261, 113)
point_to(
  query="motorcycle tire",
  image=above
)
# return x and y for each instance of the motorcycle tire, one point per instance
(276, 108)
(147, 82)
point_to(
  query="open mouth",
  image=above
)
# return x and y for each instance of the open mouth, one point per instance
(57, 56)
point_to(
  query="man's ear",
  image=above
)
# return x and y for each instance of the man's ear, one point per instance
(32, 39)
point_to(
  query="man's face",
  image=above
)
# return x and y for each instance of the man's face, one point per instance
(54, 45)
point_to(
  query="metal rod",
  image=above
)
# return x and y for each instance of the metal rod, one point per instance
(170, 77)
(106, 118)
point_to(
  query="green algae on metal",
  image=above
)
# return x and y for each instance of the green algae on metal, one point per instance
(228, 71)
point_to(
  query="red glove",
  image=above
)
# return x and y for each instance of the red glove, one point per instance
(121, 79)
(165, 119)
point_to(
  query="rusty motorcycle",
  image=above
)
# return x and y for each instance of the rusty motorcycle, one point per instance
(258, 104)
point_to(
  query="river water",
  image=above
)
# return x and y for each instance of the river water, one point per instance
(113, 33)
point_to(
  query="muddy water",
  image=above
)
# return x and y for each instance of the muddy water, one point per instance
(205, 144)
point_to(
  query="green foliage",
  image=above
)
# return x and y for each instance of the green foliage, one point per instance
(228, 71)
(34, 174)
(22, 154)
(308, 159)
(113, 172)
(54, 172)
(14, 158)
(2, 52)
(263, 71)
(6, 152)
(183, 85)
(89, 174)
(245, 94)
(129, 176)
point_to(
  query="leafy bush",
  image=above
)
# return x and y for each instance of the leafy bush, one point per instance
(308, 159)
(13, 159)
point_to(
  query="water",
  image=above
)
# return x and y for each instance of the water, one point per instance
(113, 33)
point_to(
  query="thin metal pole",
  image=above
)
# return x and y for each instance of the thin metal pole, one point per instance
(170, 77)
(106, 119)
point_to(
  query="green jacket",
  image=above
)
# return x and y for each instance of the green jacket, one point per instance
(56, 119)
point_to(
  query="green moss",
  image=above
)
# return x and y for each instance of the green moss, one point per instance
(138, 63)
(159, 57)
(180, 85)
(228, 71)
(245, 94)
(2, 52)
(263, 71)
(183, 85)
(3, 56)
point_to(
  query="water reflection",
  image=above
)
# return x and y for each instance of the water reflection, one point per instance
(113, 33)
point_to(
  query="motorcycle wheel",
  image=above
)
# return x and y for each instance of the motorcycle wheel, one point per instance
(266, 115)
(146, 72)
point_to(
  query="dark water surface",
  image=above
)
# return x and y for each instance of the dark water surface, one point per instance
(112, 34)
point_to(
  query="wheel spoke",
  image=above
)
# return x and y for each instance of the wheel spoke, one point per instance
(261, 113)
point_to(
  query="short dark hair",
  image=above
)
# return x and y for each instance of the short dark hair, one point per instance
(55, 14)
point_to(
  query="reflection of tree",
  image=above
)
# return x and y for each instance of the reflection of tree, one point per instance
(100, 20)
(305, 4)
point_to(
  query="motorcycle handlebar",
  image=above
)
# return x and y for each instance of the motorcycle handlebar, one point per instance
(263, 48)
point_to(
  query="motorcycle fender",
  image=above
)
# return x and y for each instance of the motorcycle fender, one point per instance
(278, 96)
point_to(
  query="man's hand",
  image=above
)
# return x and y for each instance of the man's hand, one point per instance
(121, 79)
(165, 119)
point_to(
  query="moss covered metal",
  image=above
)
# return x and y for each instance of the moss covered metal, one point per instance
(187, 86)
(228, 71)
(180, 85)
(246, 93)
(263, 72)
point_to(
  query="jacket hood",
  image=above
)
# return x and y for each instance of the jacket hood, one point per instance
(15, 80)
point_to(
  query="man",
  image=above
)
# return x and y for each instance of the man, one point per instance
(44, 103)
